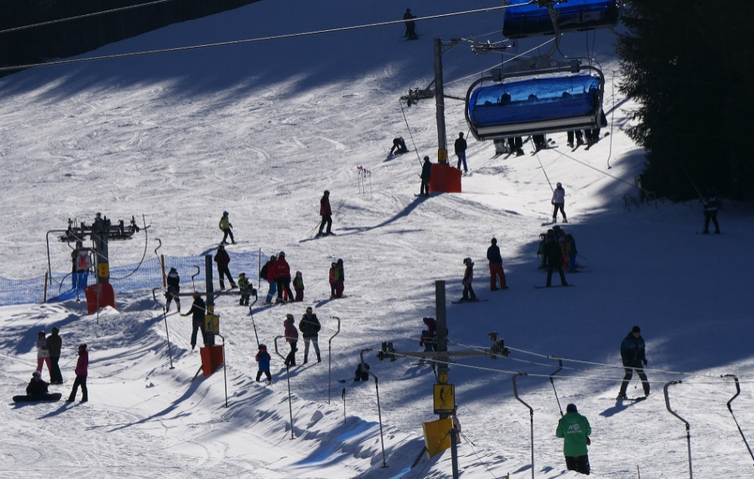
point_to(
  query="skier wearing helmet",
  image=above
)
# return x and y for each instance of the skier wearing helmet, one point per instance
(468, 277)
(558, 203)
(226, 228)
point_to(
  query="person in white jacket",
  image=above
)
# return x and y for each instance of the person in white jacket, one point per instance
(558, 203)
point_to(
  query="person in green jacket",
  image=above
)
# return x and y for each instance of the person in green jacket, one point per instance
(226, 228)
(575, 429)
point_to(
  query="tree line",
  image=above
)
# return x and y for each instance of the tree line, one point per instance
(688, 65)
(66, 39)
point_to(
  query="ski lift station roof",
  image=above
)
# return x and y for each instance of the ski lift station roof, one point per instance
(573, 15)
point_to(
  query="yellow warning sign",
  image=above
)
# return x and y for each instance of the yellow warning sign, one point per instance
(212, 323)
(444, 398)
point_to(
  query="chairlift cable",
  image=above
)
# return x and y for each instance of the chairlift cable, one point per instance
(410, 135)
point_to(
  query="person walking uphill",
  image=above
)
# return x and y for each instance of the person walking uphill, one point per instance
(198, 311)
(263, 358)
(174, 288)
(575, 430)
(632, 353)
(460, 148)
(326, 213)
(496, 266)
(223, 260)
(425, 176)
(291, 336)
(82, 371)
(309, 327)
(558, 203)
(226, 228)
(54, 345)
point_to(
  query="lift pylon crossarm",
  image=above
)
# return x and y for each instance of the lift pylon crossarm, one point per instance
(417, 94)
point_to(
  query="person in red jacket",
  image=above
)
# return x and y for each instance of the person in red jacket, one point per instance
(283, 278)
(326, 213)
(82, 371)
(223, 260)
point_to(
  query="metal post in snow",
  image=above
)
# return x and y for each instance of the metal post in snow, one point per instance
(560, 368)
(167, 331)
(379, 409)
(329, 361)
(738, 391)
(688, 426)
(531, 419)
(288, 377)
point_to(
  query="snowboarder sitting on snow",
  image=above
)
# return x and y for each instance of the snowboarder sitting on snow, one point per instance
(246, 288)
(37, 385)
(263, 358)
(399, 146)
(362, 372)
(468, 277)
(174, 287)
(575, 430)
(226, 228)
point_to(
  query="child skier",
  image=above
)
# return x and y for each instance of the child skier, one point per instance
(298, 286)
(468, 277)
(263, 358)
(246, 289)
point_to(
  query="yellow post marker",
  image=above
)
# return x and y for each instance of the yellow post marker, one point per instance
(444, 398)
(437, 435)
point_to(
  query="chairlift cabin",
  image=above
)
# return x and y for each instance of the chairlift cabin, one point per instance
(572, 15)
(535, 106)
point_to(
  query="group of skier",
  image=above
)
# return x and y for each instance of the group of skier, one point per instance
(48, 352)
(309, 326)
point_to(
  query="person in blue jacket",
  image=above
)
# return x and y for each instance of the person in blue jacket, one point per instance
(634, 358)
(263, 358)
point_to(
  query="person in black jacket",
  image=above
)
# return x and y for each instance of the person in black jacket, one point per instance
(309, 327)
(410, 25)
(223, 260)
(460, 149)
(554, 259)
(426, 175)
(496, 266)
(54, 345)
(198, 311)
(37, 385)
(632, 353)
(711, 205)
(174, 287)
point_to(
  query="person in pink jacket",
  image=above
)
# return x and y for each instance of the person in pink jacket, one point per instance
(82, 371)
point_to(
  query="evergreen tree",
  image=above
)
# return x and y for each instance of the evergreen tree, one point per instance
(679, 62)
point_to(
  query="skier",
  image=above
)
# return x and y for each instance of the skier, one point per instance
(575, 430)
(174, 287)
(82, 371)
(410, 25)
(268, 273)
(326, 213)
(83, 264)
(426, 176)
(246, 288)
(291, 336)
(399, 146)
(711, 206)
(333, 276)
(579, 137)
(223, 260)
(197, 312)
(340, 280)
(54, 345)
(553, 259)
(468, 277)
(283, 278)
(263, 358)
(298, 286)
(632, 353)
(496, 266)
(460, 149)
(43, 354)
(558, 203)
(309, 327)
(226, 228)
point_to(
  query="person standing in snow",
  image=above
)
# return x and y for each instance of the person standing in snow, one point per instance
(326, 213)
(558, 203)
(575, 431)
(553, 258)
(43, 354)
(82, 265)
(468, 278)
(340, 280)
(425, 176)
(82, 371)
(298, 286)
(333, 276)
(283, 278)
(496, 266)
(309, 327)
(634, 358)
(291, 336)
(711, 206)
(54, 345)
(223, 260)
(174, 287)
(460, 149)
(226, 228)
(246, 289)
(268, 273)
(410, 25)
(263, 358)
(198, 311)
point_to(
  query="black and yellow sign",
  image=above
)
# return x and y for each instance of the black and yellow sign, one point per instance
(444, 398)
(212, 323)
